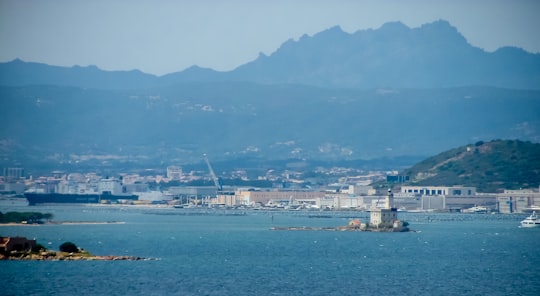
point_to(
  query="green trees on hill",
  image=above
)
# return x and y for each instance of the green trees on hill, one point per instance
(25, 217)
(488, 166)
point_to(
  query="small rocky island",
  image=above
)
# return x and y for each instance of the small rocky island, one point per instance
(21, 248)
(381, 220)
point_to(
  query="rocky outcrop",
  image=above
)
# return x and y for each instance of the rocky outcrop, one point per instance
(63, 256)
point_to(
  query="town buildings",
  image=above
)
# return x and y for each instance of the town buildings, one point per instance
(354, 193)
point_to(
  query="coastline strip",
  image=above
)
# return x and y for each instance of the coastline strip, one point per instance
(64, 223)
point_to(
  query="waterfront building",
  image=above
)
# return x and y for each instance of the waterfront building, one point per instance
(361, 190)
(518, 201)
(276, 197)
(449, 198)
(433, 202)
(135, 187)
(340, 201)
(110, 186)
(438, 190)
(458, 203)
(186, 193)
(328, 202)
(153, 196)
(12, 188)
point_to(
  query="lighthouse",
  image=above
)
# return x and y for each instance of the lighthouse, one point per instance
(389, 202)
(384, 218)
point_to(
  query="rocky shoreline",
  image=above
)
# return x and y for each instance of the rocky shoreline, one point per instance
(63, 223)
(63, 256)
(342, 228)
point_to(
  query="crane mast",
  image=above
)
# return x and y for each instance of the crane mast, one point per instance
(212, 174)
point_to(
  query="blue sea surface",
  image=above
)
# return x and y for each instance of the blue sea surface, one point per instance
(218, 253)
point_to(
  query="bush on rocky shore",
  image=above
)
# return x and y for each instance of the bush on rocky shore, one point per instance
(68, 252)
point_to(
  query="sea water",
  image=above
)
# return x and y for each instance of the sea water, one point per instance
(235, 253)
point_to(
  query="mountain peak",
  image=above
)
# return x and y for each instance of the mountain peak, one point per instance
(440, 24)
(442, 30)
(394, 27)
(17, 61)
(333, 30)
(333, 34)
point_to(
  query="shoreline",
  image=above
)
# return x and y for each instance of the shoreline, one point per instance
(340, 228)
(63, 256)
(64, 223)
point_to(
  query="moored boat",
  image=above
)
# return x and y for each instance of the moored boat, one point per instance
(531, 221)
(476, 209)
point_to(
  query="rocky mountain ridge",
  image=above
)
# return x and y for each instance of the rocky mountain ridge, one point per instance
(432, 56)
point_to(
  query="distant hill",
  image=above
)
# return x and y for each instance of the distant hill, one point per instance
(229, 120)
(489, 166)
(20, 73)
(434, 55)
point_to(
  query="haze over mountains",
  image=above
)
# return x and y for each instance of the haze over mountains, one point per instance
(389, 92)
(432, 56)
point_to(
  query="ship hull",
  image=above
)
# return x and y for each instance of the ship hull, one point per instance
(46, 198)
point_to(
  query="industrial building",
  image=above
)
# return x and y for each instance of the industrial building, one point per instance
(439, 190)
(518, 201)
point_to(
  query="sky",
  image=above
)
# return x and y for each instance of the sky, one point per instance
(162, 36)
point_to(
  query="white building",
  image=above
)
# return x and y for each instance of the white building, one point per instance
(153, 196)
(361, 190)
(247, 197)
(518, 201)
(110, 186)
(174, 172)
(448, 197)
(438, 190)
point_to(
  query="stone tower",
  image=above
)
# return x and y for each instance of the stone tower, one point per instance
(384, 218)
(389, 204)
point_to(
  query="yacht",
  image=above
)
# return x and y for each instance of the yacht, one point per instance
(476, 209)
(531, 221)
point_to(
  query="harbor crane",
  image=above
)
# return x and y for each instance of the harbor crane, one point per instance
(213, 175)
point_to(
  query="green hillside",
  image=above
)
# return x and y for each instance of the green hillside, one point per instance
(490, 166)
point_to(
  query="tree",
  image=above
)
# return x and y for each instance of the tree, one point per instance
(48, 216)
(69, 247)
(38, 248)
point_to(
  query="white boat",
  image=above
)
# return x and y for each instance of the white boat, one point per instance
(476, 209)
(531, 221)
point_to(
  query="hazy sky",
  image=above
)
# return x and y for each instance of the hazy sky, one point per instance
(161, 37)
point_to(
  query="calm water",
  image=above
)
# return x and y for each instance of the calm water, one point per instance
(451, 254)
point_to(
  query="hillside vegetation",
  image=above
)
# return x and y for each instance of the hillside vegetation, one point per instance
(48, 126)
(490, 167)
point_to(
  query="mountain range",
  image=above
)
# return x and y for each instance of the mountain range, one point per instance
(386, 93)
(434, 55)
